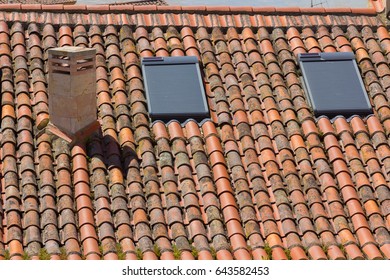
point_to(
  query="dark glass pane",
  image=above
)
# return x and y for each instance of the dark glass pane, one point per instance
(174, 88)
(334, 85)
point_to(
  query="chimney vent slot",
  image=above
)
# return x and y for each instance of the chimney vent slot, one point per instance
(66, 65)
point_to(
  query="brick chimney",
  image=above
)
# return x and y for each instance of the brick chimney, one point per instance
(72, 89)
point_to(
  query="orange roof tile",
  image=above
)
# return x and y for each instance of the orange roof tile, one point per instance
(143, 2)
(262, 179)
(379, 5)
(45, 2)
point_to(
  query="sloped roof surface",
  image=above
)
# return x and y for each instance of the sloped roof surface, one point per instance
(262, 179)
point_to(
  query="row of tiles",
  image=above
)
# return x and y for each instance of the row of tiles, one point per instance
(37, 2)
(194, 18)
(178, 9)
(262, 173)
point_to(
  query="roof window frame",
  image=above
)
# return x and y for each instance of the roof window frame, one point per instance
(200, 109)
(336, 87)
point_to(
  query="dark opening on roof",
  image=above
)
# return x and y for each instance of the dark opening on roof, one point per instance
(174, 88)
(333, 84)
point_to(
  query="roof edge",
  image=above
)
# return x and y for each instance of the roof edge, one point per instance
(180, 9)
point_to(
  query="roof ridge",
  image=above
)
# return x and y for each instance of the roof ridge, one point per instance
(193, 9)
(263, 179)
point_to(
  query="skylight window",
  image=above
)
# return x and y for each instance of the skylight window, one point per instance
(174, 88)
(333, 84)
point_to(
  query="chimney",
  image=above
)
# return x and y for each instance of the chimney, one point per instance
(72, 89)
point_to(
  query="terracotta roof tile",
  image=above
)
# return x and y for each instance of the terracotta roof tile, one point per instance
(378, 5)
(35, 4)
(262, 173)
(141, 2)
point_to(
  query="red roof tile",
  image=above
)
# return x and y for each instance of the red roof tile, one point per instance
(38, 2)
(143, 2)
(379, 5)
(262, 179)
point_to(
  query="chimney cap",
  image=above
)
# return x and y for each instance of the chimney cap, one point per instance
(72, 51)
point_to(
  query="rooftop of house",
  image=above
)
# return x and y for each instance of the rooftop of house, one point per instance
(263, 178)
